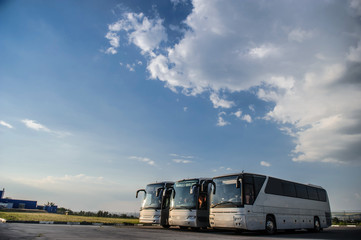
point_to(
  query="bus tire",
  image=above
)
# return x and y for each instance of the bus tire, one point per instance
(165, 226)
(270, 225)
(316, 225)
(183, 227)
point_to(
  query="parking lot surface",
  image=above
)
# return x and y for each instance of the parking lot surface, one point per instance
(9, 231)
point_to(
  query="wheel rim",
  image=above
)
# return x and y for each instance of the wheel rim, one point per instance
(270, 226)
(317, 224)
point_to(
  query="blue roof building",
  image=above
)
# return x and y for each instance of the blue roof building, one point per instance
(17, 203)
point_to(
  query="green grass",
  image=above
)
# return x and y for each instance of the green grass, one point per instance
(24, 216)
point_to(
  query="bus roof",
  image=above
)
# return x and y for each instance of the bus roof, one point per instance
(237, 174)
(189, 179)
(164, 182)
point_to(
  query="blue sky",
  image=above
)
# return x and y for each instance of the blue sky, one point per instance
(99, 98)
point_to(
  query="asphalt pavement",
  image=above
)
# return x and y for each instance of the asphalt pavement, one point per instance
(10, 231)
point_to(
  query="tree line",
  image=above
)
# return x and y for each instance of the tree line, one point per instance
(62, 210)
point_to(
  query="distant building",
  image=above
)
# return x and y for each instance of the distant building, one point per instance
(24, 204)
(16, 203)
(49, 209)
(347, 216)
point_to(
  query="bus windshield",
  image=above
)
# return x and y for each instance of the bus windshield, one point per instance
(227, 195)
(183, 198)
(151, 200)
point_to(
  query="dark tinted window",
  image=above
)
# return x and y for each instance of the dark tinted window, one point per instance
(248, 189)
(288, 189)
(248, 179)
(312, 193)
(274, 186)
(258, 183)
(301, 191)
(321, 195)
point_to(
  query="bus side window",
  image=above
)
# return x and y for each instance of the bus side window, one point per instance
(258, 183)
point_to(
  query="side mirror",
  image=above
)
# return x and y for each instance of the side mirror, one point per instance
(205, 184)
(158, 191)
(214, 187)
(140, 190)
(170, 189)
(238, 182)
(191, 191)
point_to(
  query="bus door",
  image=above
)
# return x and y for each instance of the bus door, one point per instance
(164, 220)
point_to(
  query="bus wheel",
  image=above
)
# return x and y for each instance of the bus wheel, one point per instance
(270, 225)
(183, 227)
(165, 226)
(316, 225)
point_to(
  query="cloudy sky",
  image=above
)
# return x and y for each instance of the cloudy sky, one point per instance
(99, 98)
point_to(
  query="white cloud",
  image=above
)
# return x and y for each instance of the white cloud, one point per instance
(143, 159)
(251, 107)
(182, 161)
(243, 47)
(35, 126)
(79, 185)
(181, 156)
(324, 113)
(176, 2)
(218, 102)
(247, 118)
(114, 42)
(185, 109)
(5, 124)
(130, 68)
(145, 33)
(299, 35)
(222, 168)
(221, 122)
(262, 51)
(238, 114)
(265, 164)
(32, 124)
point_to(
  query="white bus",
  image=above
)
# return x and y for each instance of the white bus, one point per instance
(190, 203)
(155, 206)
(255, 202)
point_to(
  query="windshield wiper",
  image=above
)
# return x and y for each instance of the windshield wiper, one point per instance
(225, 202)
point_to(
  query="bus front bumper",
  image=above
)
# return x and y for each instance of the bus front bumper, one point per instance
(227, 220)
(183, 218)
(149, 217)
